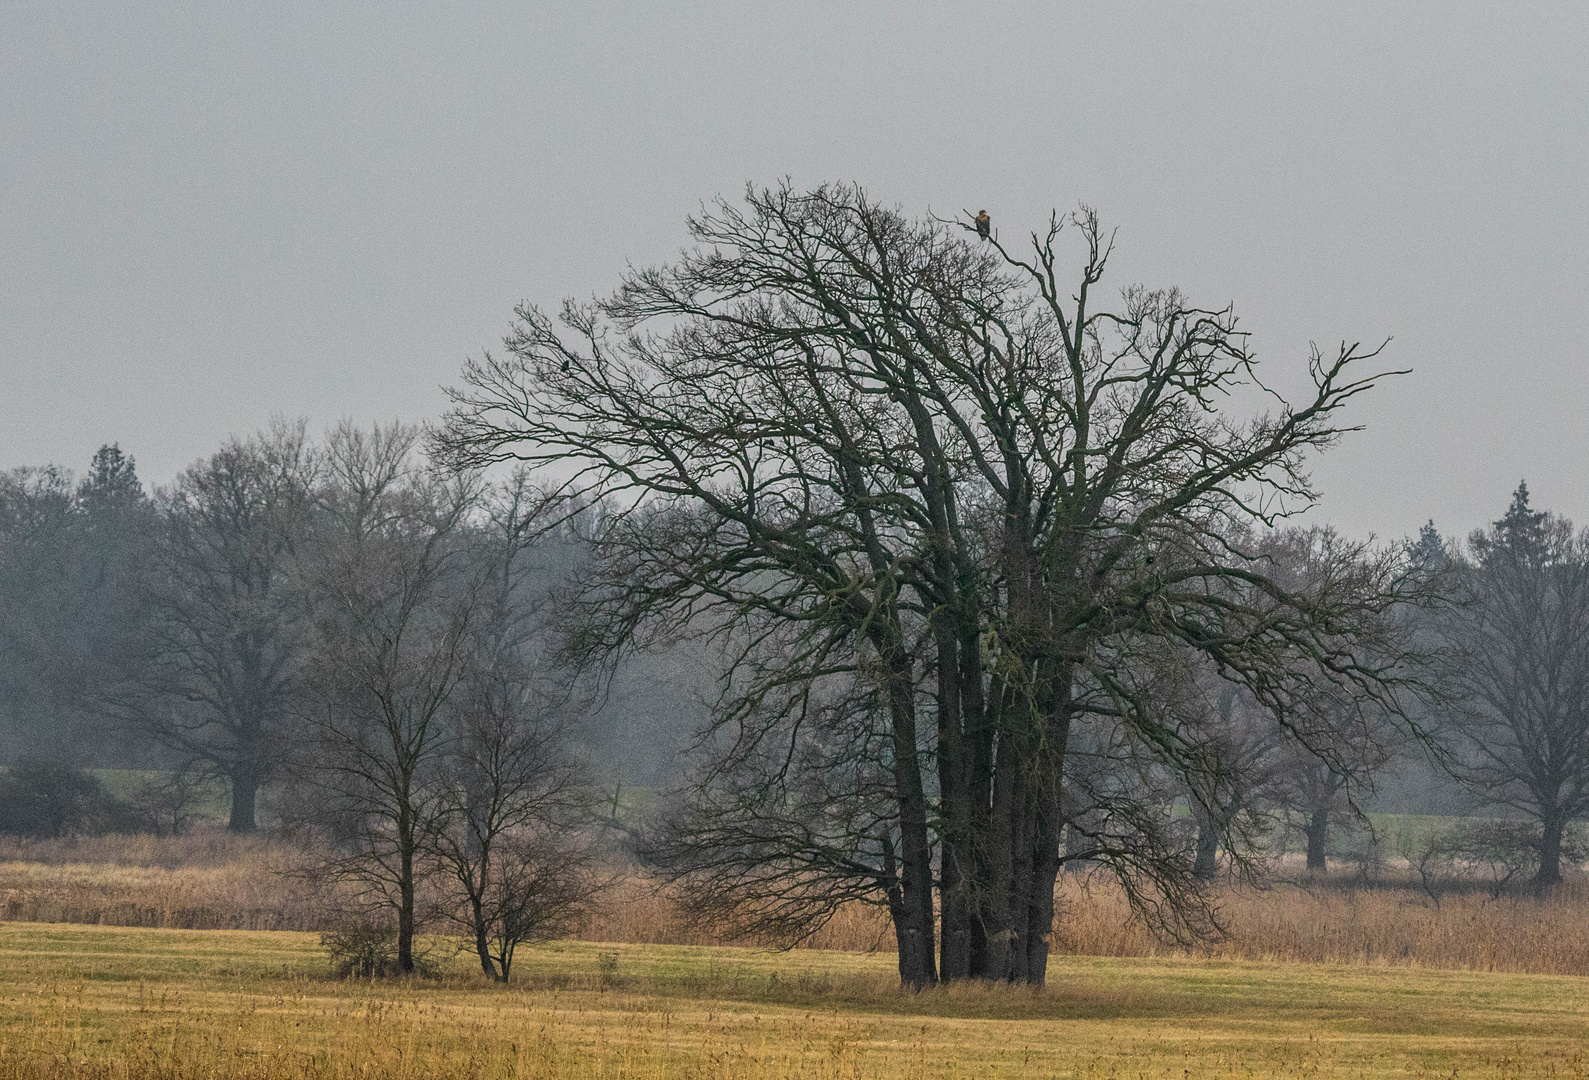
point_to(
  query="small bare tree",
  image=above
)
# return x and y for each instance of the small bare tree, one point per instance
(508, 795)
(399, 590)
(1498, 850)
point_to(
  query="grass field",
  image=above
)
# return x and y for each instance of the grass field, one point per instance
(111, 1002)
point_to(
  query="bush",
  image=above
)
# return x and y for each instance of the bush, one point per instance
(45, 799)
(362, 950)
(367, 950)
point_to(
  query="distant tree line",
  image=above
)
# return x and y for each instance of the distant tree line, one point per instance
(337, 620)
(979, 574)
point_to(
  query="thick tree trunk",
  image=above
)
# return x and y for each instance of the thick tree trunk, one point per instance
(999, 876)
(979, 797)
(914, 925)
(913, 920)
(1017, 912)
(999, 813)
(955, 916)
(955, 847)
(245, 797)
(896, 911)
(1045, 872)
(1048, 826)
(1021, 896)
(1550, 855)
(1318, 834)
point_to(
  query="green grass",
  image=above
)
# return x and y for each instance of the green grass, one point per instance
(212, 806)
(91, 1001)
(127, 783)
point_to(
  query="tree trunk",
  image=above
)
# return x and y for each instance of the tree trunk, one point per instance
(1045, 872)
(1212, 826)
(1550, 855)
(1318, 833)
(405, 910)
(907, 930)
(999, 875)
(913, 919)
(955, 917)
(1023, 848)
(1048, 826)
(482, 944)
(955, 849)
(245, 795)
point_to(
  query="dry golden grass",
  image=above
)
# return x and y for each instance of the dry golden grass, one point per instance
(121, 1004)
(213, 880)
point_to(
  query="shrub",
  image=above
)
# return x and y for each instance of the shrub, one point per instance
(367, 950)
(45, 799)
(362, 950)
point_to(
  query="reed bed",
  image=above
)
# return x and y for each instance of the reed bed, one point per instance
(217, 881)
(209, 880)
(1331, 922)
(1341, 923)
(639, 911)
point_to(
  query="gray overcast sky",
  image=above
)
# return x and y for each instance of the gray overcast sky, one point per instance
(216, 212)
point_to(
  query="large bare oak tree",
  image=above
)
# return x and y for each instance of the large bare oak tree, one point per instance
(938, 500)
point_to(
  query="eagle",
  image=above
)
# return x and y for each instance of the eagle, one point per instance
(984, 224)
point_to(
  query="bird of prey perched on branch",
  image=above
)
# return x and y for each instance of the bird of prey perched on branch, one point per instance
(984, 224)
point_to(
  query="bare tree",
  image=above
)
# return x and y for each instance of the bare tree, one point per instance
(1245, 747)
(920, 488)
(1318, 794)
(516, 869)
(1521, 659)
(398, 590)
(509, 792)
(230, 618)
(1330, 745)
